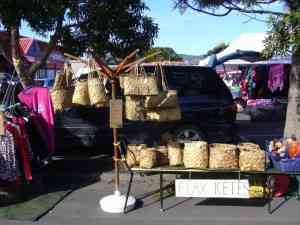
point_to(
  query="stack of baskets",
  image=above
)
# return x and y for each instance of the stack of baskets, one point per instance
(90, 91)
(147, 97)
(86, 91)
(199, 155)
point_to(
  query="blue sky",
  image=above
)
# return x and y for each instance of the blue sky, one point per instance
(193, 33)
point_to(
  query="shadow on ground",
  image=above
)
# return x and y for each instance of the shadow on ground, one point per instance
(234, 202)
(51, 185)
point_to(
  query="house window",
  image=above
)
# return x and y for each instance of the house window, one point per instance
(41, 74)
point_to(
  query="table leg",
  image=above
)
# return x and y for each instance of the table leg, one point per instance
(161, 192)
(128, 191)
(269, 198)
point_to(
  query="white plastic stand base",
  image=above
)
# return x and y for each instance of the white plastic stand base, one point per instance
(115, 203)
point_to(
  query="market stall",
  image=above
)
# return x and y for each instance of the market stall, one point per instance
(242, 163)
(147, 98)
(260, 88)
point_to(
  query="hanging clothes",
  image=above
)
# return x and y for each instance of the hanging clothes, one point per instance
(39, 148)
(251, 80)
(276, 77)
(38, 100)
(261, 88)
(22, 142)
(8, 158)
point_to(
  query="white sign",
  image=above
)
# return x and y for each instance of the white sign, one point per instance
(212, 188)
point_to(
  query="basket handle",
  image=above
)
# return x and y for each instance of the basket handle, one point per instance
(163, 78)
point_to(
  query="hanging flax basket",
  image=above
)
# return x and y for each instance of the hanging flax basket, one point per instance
(81, 93)
(96, 90)
(62, 98)
(62, 91)
(134, 108)
(162, 115)
(165, 99)
(140, 83)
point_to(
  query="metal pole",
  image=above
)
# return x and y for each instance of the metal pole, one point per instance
(115, 140)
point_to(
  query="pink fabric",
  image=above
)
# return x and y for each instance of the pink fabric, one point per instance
(38, 100)
(276, 77)
(260, 102)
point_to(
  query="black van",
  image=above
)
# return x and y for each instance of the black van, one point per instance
(208, 113)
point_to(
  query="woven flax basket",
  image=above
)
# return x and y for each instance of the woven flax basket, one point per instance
(81, 93)
(162, 155)
(195, 155)
(96, 90)
(165, 99)
(223, 156)
(133, 154)
(62, 98)
(175, 154)
(161, 115)
(148, 158)
(252, 158)
(140, 83)
(134, 108)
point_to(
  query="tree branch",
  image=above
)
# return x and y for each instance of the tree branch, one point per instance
(267, 2)
(206, 12)
(253, 18)
(230, 6)
(3, 53)
(52, 44)
(235, 7)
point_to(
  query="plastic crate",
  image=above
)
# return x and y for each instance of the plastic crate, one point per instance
(286, 164)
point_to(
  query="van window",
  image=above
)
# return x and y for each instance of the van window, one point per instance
(203, 83)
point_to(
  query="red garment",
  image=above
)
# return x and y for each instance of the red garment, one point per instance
(281, 185)
(21, 140)
(38, 100)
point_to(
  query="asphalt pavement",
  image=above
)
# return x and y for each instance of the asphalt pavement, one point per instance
(82, 208)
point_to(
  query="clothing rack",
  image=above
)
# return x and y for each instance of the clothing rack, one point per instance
(4, 109)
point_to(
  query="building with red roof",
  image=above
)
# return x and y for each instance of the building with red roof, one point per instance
(31, 50)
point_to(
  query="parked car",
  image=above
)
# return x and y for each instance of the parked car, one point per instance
(208, 113)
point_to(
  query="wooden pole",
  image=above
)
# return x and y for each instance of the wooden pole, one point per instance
(125, 61)
(130, 66)
(115, 139)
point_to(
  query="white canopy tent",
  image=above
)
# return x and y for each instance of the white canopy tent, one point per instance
(247, 42)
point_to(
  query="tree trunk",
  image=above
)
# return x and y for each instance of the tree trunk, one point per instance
(51, 45)
(16, 56)
(292, 123)
(26, 76)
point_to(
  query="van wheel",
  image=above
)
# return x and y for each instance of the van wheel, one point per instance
(188, 133)
(241, 104)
